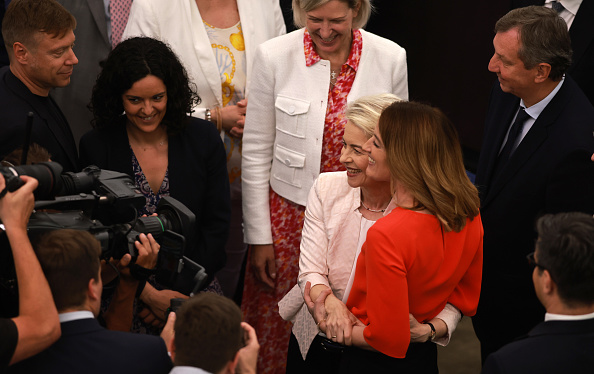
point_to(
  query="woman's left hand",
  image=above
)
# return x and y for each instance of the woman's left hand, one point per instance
(340, 321)
(419, 332)
(233, 118)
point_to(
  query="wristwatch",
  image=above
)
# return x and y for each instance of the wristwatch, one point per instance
(433, 332)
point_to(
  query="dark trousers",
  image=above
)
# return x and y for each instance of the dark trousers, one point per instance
(324, 358)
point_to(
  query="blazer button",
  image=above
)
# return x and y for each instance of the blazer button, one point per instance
(291, 109)
(288, 162)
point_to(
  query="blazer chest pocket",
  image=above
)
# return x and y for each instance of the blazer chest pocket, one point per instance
(289, 167)
(291, 115)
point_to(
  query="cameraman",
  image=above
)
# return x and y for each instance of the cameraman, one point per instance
(70, 261)
(37, 325)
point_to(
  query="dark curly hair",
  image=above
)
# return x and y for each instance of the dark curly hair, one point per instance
(132, 60)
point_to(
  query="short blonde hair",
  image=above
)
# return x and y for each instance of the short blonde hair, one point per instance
(424, 155)
(300, 7)
(365, 111)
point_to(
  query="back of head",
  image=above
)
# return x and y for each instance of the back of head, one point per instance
(566, 249)
(132, 60)
(36, 154)
(365, 111)
(424, 155)
(300, 7)
(24, 18)
(208, 332)
(544, 38)
(69, 259)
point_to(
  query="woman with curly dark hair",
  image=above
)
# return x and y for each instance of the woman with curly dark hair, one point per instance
(141, 104)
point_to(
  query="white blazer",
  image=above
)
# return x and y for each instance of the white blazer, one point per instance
(282, 141)
(179, 24)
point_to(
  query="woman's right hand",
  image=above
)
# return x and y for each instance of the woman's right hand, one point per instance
(339, 320)
(263, 265)
(159, 300)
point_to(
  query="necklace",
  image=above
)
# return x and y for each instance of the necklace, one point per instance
(333, 77)
(373, 210)
(144, 148)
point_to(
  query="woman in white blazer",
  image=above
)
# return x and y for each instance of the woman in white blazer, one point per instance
(301, 84)
(216, 43)
(341, 207)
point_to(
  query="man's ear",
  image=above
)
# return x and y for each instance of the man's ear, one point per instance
(543, 70)
(232, 365)
(21, 53)
(94, 289)
(172, 351)
(548, 285)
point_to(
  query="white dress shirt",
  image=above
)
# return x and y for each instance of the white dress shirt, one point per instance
(571, 9)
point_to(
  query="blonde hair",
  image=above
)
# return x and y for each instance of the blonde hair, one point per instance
(424, 155)
(365, 111)
(300, 7)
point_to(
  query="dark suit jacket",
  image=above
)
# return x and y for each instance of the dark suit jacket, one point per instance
(582, 43)
(550, 348)
(17, 101)
(86, 347)
(197, 178)
(549, 172)
(92, 47)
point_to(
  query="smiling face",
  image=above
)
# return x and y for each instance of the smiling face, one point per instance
(145, 103)
(352, 155)
(513, 76)
(51, 62)
(378, 162)
(330, 27)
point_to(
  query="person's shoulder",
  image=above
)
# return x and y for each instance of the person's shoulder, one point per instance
(376, 41)
(333, 186)
(283, 43)
(199, 128)
(106, 133)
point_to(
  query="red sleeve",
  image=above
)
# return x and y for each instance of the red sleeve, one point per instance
(466, 294)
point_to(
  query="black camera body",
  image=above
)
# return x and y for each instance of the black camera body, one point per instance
(104, 203)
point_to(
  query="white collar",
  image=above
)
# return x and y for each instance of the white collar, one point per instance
(73, 316)
(571, 5)
(535, 110)
(565, 317)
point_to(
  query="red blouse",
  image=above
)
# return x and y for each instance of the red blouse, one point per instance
(408, 263)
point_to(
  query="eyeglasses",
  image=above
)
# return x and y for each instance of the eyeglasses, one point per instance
(532, 261)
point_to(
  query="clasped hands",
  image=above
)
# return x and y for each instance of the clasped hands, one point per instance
(337, 322)
(330, 313)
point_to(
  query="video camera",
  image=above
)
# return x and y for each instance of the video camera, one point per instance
(104, 203)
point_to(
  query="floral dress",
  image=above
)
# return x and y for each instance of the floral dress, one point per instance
(259, 305)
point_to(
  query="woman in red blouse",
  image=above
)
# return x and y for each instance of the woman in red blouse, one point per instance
(425, 253)
(300, 85)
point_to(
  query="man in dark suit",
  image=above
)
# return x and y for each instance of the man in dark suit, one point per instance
(92, 46)
(535, 159)
(579, 15)
(39, 37)
(70, 261)
(562, 277)
(210, 336)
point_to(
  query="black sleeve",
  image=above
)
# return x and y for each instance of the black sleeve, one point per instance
(8, 342)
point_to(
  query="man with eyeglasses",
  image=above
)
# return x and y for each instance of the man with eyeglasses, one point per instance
(563, 278)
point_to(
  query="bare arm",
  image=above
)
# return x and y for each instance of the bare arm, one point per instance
(120, 312)
(38, 324)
